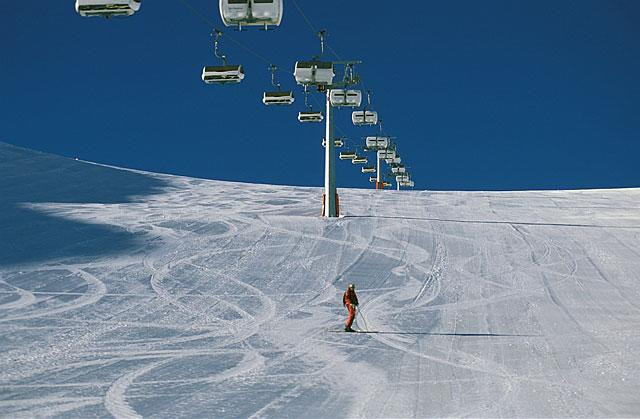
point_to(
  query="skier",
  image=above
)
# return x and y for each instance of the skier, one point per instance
(350, 301)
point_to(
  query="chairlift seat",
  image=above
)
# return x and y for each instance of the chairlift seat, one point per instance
(368, 169)
(377, 143)
(278, 98)
(373, 179)
(347, 155)
(310, 116)
(314, 72)
(364, 117)
(360, 160)
(251, 12)
(342, 97)
(223, 74)
(107, 8)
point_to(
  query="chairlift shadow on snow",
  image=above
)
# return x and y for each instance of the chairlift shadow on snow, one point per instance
(34, 236)
(390, 332)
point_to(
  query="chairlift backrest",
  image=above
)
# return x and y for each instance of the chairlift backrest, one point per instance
(342, 97)
(222, 74)
(251, 12)
(314, 72)
(364, 117)
(310, 116)
(278, 98)
(377, 143)
(107, 8)
(360, 160)
(368, 169)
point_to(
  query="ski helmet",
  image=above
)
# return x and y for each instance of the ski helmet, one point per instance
(352, 286)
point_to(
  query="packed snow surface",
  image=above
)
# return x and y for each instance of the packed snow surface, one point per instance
(134, 294)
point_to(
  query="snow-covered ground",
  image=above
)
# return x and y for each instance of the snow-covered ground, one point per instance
(129, 293)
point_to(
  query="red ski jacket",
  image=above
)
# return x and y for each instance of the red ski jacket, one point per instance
(349, 297)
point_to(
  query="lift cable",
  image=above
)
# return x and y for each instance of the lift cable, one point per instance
(209, 23)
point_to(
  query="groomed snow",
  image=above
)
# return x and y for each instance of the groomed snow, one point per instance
(137, 294)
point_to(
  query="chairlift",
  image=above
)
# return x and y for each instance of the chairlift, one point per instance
(224, 73)
(107, 8)
(377, 143)
(348, 155)
(398, 168)
(364, 117)
(319, 73)
(409, 184)
(342, 97)
(386, 184)
(396, 160)
(373, 179)
(310, 116)
(386, 154)
(360, 160)
(251, 12)
(337, 142)
(278, 97)
(368, 169)
(402, 178)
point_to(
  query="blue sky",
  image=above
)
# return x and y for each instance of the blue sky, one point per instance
(486, 95)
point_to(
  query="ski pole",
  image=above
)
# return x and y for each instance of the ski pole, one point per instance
(363, 319)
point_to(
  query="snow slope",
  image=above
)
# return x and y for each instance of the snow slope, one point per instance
(137, 294)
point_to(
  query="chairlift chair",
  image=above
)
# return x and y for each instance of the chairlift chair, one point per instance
(348, 155)
(107, 8)
(409, 184)
(396, 160)
(342, 97)
(337, 142)
(278, 98)
(364, 117)
(377, 143)
(319, 73)
(402, 178)
(398, 168)
(251, 12)
(386, 154)
(222, 74)
(373, 179)
(386, 184)
(360, 160)
(310, 116)
(368, 169)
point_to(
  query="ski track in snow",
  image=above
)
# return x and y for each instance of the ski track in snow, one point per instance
(226, 305)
